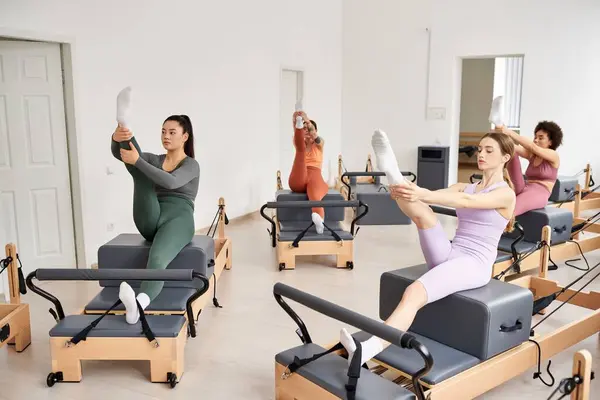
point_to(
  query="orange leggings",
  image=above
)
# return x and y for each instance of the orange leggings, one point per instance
(305, 179)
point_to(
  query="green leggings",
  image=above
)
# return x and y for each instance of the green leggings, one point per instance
(166, 221)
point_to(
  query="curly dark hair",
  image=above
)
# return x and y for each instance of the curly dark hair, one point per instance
(555, 134)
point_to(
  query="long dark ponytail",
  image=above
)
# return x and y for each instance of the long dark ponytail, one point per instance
(185, 122)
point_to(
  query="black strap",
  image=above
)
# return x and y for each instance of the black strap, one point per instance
(353, 369)
(215, 301)
(145, 327)
(517, 326)
(301, 235)
(333, 233)
(82, 335)
(297, 363)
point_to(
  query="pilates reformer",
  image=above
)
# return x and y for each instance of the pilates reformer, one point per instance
(340, 182)
(293, 232)
(205, 254)
(383, 210)
(15, 321)
(458, 347)
(159, 339)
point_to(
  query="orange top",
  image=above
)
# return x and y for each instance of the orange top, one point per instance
(314, 156)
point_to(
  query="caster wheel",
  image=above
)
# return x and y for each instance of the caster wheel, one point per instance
(53, 378)
(172, 378)
(281, 266)
(350, 264)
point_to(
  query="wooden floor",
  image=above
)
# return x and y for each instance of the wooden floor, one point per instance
(233, 355)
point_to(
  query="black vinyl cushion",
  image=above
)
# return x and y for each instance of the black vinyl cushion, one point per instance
(169, 299)
(447, 361)
(167, 326)
(330, 373)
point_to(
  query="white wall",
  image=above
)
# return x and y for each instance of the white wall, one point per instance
(217, 61)
(476, 95)
(386, 80)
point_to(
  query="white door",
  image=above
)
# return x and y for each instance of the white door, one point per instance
(290, 94)
(35, 193)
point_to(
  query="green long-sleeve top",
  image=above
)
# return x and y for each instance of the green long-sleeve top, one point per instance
(182, 181)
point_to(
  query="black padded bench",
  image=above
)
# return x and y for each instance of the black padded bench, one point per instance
(132, 251)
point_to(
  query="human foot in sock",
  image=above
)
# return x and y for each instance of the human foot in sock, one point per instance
(497, 111)
(369, 348)
(318, 221)
(385, 158)
(127, 297)
(124, 107)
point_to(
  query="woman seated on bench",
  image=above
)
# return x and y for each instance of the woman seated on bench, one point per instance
(306, 176)
(484, 210)
(542, 171)
(164, 190)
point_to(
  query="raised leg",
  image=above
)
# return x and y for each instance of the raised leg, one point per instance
(299, 175)
(516, 173)
(420, 213)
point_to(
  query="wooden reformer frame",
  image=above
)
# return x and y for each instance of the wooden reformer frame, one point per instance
(164, 354)
(15, 320)
(491, 373)
(223, 261)
(584, 198)
(562, 251)
(287, 252)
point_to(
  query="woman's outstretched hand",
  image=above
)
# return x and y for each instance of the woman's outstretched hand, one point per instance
(122, 134)
(407, 191)
(130, 156)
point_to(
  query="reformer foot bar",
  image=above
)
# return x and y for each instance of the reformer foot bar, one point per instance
(293, 232)
(476, 340)
(15, 320)
(159, 339)
(206, 254)
(328, 375)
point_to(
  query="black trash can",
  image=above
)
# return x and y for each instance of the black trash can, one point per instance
(432, 168)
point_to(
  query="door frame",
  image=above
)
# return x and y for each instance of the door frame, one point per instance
(67, 53)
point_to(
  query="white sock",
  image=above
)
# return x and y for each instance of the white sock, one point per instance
(370, 347)
(127, 296)
(124, 107)
(385, 158)
(497, 111)
(144, 300)
(318, 221)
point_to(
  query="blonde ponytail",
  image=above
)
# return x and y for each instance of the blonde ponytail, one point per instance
(511, 223)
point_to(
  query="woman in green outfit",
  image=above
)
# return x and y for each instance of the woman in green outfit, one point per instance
(165, 188)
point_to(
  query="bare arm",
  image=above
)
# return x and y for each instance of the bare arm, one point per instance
(532, 148)
(501, 198)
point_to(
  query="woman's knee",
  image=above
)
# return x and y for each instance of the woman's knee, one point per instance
(415, 294)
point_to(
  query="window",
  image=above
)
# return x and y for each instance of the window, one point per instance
(508, 79)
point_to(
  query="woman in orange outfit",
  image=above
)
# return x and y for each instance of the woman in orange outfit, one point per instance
(306, 172)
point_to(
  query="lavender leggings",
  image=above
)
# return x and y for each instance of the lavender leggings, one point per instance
(530, 196)
(452, 268)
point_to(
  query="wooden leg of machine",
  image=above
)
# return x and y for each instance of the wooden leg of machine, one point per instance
(582, 366)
